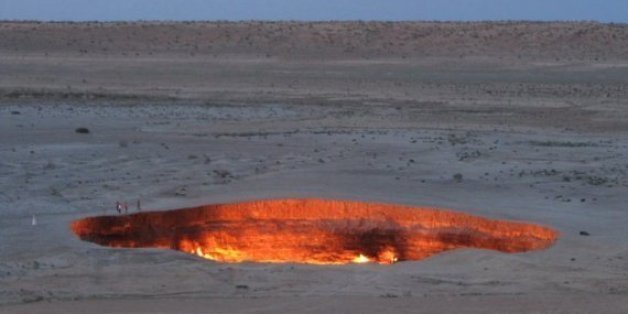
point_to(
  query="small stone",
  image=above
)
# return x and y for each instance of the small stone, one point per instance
(584, 233)
(181, 192)
(457, 177)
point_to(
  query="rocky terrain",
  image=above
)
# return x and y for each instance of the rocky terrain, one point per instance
(517, 121)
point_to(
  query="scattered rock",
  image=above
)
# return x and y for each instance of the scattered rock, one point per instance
(457, 177)
(82, 130)
(468, 155)
(222, 173)
(594, 180)
(181, 191)
(584, 233)
(454, 140)
(15, 112)
(32, 299)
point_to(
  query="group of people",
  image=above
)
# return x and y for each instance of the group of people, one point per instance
(124, 206)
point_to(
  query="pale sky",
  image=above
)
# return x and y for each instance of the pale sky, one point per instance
(467, 10)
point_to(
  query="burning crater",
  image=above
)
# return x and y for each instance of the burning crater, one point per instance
(312, 231)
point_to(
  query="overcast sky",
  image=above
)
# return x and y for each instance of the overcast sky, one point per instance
(80, 10)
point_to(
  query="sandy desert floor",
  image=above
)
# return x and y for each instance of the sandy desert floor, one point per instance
(539, 140)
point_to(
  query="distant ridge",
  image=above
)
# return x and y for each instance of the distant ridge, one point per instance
(564, 41)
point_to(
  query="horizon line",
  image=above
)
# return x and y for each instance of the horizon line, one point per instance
(470, 21)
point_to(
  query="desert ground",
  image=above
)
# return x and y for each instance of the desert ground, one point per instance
(516, 121)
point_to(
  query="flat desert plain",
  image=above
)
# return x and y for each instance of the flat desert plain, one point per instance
(516, 121)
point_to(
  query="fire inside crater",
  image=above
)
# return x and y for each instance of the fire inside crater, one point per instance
(312, 231)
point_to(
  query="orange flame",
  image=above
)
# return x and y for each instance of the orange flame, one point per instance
(361, 259)
(312, 231)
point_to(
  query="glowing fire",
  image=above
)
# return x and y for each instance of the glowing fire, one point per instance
(312, 231)
(361, 259)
